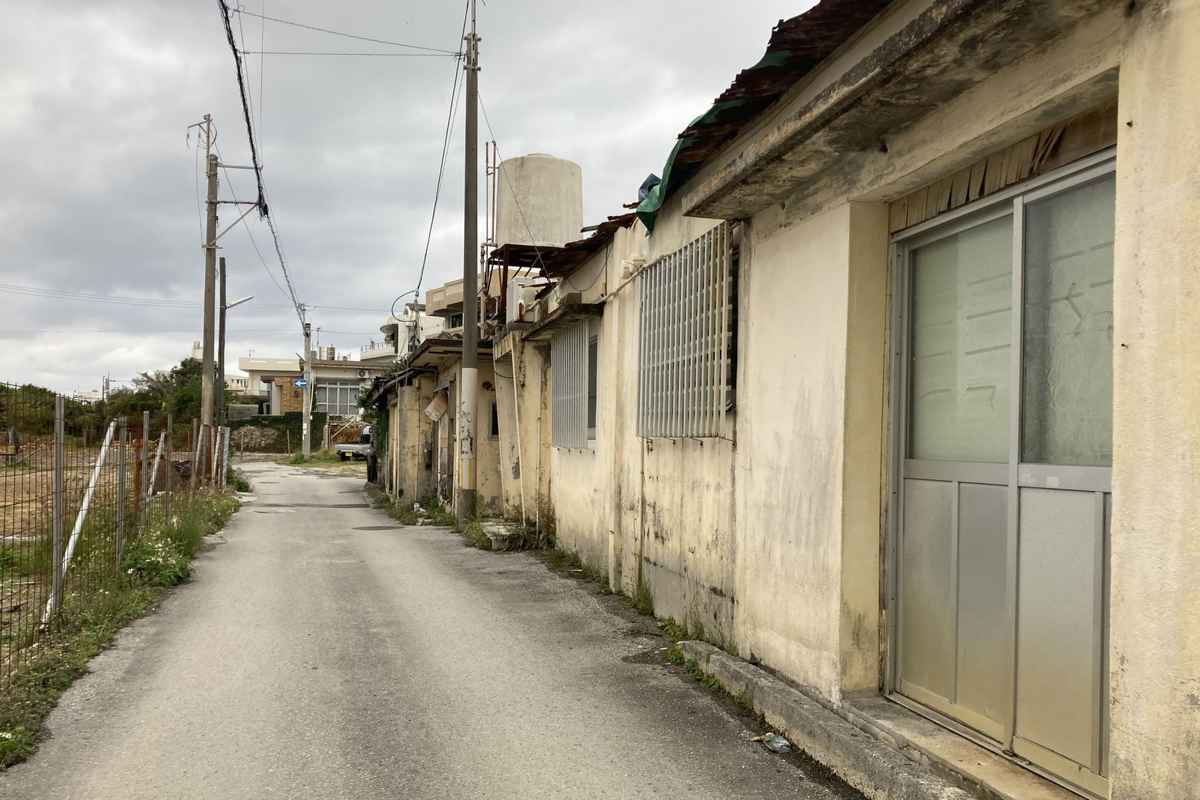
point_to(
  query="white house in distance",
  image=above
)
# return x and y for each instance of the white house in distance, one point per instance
(337, 377)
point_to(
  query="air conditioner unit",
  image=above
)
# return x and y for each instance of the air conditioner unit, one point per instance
(362, 373)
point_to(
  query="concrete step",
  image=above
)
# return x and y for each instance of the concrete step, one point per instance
(503, 536)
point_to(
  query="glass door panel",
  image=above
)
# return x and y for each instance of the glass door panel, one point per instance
(1068, 327)
(961, 344)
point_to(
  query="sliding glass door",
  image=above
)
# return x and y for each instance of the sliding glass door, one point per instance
(1004, 421)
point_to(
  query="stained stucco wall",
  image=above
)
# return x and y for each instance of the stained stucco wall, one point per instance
(657, 512)
(809, 438)
(520, 474)
(411, 433)
(1155, 539)
(488, 487)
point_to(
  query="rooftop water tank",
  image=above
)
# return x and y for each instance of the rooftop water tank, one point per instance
(539, 201)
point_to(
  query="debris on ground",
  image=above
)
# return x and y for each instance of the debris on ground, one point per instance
(774, 742)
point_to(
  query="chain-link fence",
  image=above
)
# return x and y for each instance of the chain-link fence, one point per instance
(75, 492)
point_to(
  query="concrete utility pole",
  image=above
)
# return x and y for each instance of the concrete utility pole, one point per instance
(221, 351)
(210, 274)
(469, 381)
(306, 428)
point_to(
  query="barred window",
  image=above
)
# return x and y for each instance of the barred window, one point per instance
(337, 398)
(688, 328)
(574, 353)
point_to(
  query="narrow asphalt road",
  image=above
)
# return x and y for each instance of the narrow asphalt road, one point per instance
(324, 652)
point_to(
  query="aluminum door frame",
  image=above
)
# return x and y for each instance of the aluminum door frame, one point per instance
(1008, 202)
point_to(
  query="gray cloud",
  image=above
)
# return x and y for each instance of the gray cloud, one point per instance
(100, 187)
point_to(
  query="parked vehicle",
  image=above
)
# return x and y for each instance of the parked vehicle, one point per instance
(362, 449)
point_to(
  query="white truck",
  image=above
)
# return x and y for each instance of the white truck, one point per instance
(362, 449)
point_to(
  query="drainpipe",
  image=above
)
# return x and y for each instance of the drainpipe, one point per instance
(517, 413)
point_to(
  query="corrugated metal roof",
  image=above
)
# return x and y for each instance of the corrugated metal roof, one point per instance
(561, 260)
(796, 47)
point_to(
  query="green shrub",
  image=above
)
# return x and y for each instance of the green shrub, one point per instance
(237, 480)
(155, 561)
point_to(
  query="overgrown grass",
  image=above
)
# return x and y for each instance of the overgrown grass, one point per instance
(643, 599)
(439, 514)
(473, 533)
(319, 457)
(158, 558)
(237, 480)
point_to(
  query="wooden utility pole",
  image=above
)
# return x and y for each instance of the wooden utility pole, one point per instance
(210, 275)
(221, 420)
(469, 382)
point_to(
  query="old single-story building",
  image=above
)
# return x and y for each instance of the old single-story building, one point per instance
(891, 385)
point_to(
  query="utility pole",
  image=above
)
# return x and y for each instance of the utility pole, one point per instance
(306, 428)
(210, 275)
(221, 351)
(469, 381)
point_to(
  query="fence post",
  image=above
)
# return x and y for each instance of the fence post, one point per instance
(146, 479)
(195, 453)
(58, 512)
(55, 599)
(224, 456)
(170, 477)
(122, 452)
(216, 454)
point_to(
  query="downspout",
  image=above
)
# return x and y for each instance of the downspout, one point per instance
(517, 413)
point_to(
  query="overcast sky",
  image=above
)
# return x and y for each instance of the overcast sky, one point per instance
(100, 185)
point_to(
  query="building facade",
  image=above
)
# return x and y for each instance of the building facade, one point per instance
(889, 386)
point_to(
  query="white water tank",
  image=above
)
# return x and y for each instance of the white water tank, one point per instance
(539, 201)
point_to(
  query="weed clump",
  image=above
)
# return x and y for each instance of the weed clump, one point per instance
(155, 558)
(643, 600)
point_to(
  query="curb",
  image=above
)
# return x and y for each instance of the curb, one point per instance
(869, 765)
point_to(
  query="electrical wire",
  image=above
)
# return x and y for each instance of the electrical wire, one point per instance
(263, 208)
(262, 45)
(144, 302)
(249, 232)
(346, 35)
(437, 192)
(344, 53)
(18, 332)
(63, 294)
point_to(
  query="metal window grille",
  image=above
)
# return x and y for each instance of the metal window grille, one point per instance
(688, 307)
(569, 381)
(338, 398)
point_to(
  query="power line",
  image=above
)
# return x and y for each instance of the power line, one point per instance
(249, 232)
(63, 294)
(264, 210)
(17, 332)
(344, 53)
(146, 302)
(437, 191)
(341, 33)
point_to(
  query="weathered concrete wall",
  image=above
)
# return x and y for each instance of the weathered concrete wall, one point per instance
(412, 435)
(523, 488)
(658, 513)
(1155, 637)
(791, 396)
(789, 571)
(488, 488)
